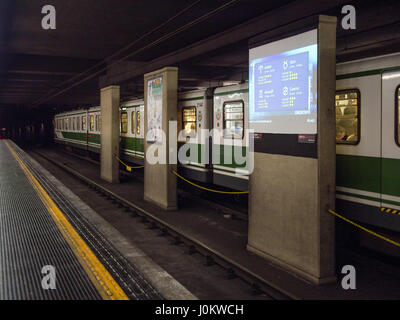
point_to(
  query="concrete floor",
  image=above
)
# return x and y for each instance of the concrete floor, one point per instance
(202, 281)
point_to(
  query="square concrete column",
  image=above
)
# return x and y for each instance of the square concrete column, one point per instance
(110, 103)
(293, 182)
(160, 101)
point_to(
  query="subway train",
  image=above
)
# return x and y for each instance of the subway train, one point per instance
(367, 104)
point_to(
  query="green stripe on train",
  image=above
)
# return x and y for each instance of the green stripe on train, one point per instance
(231, 156)
(94, 138)
(231, 92)
(190, 99)
(391, 177)
(223, 155)
(80, 136)
(132, 144)
(365, 173)
(365, 73)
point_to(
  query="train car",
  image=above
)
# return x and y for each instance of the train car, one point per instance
(367, 137)
(230, 142)
(194, 120)
(70, 128)
(131, 128)
(93, 130)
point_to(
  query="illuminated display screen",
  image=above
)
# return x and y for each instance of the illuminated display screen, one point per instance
(283, 85)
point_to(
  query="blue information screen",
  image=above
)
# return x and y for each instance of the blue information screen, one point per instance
(283, 91)
(281, 84)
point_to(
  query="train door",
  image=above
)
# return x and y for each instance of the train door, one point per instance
(137, 131)
(390, 166)
(135, 126)
(230, 168)
(139, 137)
(358, 147)
(124, 119)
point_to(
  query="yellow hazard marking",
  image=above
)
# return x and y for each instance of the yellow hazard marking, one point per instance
(388, 210)
(128, 168)
(107, 287)
(204, 188)
(365, 229)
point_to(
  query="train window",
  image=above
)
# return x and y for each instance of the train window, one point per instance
(133, 121)
(137, 122)
(99, 124)
(234, 119)
(91, 123)
(84, 123)
(347, 104)
(124, 122)
(189, 120)
(397, 115)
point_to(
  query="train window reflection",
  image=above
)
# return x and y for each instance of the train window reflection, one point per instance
(91, 119)
(124, 122)
(347, 105)
(133, 122)
(233, 119)
(397, 115)
(138, 122)
(97, 123)
(189, 121)
(84, 123)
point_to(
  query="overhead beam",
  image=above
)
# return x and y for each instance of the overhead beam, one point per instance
(271, 20)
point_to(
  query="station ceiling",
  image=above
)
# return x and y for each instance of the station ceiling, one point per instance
(206, 39)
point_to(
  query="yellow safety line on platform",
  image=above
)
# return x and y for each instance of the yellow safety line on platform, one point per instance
(204, 188)
(365, 229)
(128, 168)
(98, 274)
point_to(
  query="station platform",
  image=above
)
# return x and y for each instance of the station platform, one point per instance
(53, 246)
(222, 234)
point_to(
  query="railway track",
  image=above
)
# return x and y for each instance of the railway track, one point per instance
(193, 245)
(218, 205)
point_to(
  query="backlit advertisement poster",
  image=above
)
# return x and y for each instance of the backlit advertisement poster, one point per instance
(154, 110)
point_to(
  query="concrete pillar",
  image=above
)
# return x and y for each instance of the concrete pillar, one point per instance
(110, 102)
(293, 184)
(160, 101)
